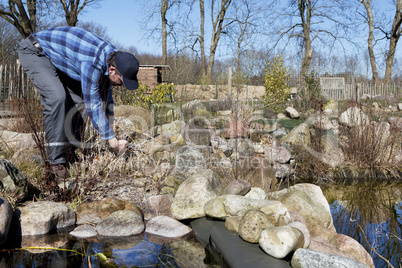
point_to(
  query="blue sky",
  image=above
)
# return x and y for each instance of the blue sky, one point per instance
(123, 20)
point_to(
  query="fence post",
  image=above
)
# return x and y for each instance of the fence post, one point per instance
(230, 83)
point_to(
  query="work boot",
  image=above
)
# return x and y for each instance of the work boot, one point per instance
(59, 170)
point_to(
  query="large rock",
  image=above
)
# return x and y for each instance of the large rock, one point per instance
(194, 193)
(233, 205)
(277, 154)
(170, 128)
(17, 140)
(299, 135)
(131, 120)
(6, 214)
(13, 182)
(196, 136)
(237, 187)
(277, 213)
(251, 225)
(94, 212)
(348, 244)
(167, 227)
(280, 241)
(320, 121)
(158, 205)
(258, 171)
(189, 161)
(121, 223)
(292, 113)
(84, 231)
(315, 212)
(37, 218)
(243, 147)
(353, 116)
(307, 258)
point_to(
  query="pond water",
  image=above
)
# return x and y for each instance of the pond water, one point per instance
(135, 251)
(372, 216)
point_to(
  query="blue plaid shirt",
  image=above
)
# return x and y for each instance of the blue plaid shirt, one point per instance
(83, 56)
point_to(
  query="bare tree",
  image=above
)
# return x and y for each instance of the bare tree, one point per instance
(23, 20)
(218, 24)
(72, 9)
(308, 21)
(393, 37)
(370, 22)
(9, 38)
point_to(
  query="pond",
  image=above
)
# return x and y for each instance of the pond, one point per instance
(372, 216)
(135, 251)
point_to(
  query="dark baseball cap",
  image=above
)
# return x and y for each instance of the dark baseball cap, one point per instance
(128, 65)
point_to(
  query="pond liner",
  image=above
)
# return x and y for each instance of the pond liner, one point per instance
(229, 249)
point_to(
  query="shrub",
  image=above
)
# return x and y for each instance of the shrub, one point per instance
(309, 94)
(277, 91)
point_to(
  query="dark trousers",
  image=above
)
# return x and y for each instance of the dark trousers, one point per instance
(61, 97)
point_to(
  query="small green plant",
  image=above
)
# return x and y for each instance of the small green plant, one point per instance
(309, 95)
(161, 94)
(277, 91)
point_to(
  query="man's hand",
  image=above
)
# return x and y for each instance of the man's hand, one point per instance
(118, 146)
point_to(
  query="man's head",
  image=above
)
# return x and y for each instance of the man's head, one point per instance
(123, 69)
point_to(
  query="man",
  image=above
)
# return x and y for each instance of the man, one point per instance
(74, 70)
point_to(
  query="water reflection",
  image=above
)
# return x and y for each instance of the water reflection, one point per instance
(372, 216)
(136, 251)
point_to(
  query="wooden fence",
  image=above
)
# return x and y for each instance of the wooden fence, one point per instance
(14, 83)
(335, 88)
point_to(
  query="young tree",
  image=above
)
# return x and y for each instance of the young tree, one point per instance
(218, 24)
(370, 22)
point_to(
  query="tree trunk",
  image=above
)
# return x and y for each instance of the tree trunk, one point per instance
(393, 41)
(164, 8)
(202, 40)
(366, 4)
(217, 26)
(305, 15)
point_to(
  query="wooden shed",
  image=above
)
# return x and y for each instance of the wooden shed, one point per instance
(152, 75)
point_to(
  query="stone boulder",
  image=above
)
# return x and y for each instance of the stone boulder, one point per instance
(167, 227)
(237, 187)
(353, 116)
(6, 214)
(315, 213)
(348, 244)
(251, 225)
(36, 218)
(320, 121)
(243, 147)
(158, 205)
(84, 231)
(171, 128)
(94, 212)
(280, 241)
(233, 205)
(189, 161)
(194, 193)
(299, 135)
(131, 120)
(277, 154)
(292, 113)
(306, 258)
(196, 136)
(121, 223)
